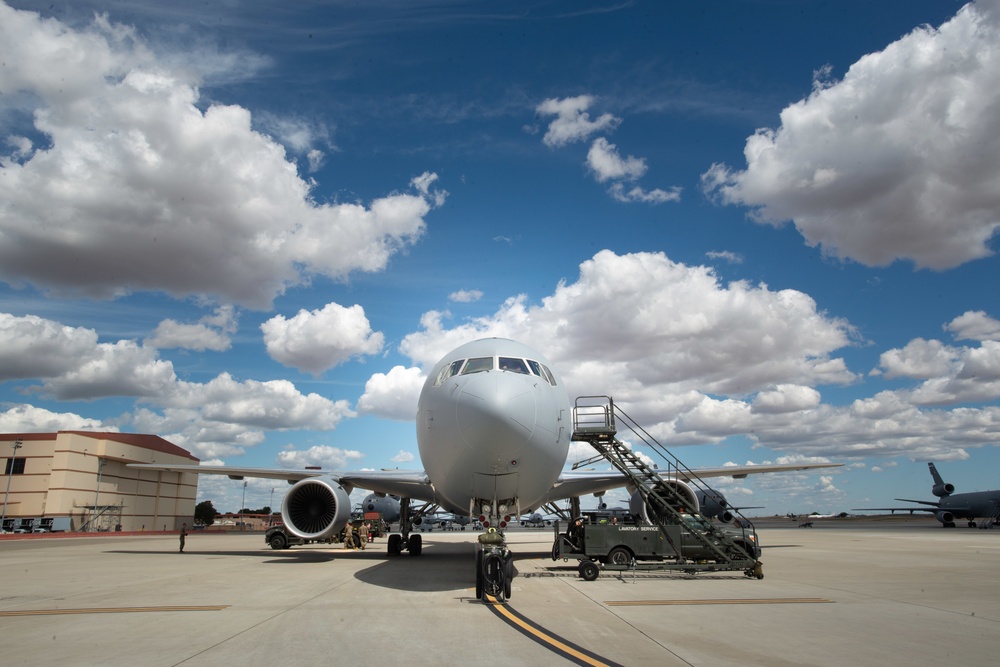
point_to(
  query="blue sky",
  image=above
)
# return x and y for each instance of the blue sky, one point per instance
(766, 228)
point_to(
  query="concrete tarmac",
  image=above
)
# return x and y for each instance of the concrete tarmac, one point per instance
(840, 593)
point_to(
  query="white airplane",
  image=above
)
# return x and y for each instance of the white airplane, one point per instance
(494, 424)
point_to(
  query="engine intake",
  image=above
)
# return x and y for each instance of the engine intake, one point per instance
(316, 508)
(669, 491)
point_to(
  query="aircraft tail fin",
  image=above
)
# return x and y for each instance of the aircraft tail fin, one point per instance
(940, 488)
(934, 473)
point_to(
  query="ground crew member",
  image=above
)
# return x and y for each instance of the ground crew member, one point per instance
(576, 534)
(363, 534)
(184, 533)
(348, 537)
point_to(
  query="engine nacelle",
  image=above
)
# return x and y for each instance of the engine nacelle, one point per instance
(316, 508)
(943, 489)
(945, 517)
(640, 508)
(714, 505)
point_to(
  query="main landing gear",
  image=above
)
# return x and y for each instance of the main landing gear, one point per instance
(412, 542)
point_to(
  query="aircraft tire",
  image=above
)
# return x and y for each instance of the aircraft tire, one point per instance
(508, 575)
(395, 544)
(493, 575)
(415, 545)
(479, 576)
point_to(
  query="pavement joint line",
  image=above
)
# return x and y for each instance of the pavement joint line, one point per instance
(640, 603)
(109, 610)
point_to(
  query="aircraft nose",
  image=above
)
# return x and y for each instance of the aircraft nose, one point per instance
(496, 409)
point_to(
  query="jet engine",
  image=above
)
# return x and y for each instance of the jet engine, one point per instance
(316, 508)
(714, 504)
(945, 517)
(644, 511)
(943, 489)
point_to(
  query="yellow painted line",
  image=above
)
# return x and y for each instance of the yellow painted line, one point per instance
(108, 610)
(641, 603)
(544, 637)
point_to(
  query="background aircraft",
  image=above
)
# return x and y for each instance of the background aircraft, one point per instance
(494, 424)
(386, 506)
(535, 520)
(970, 506)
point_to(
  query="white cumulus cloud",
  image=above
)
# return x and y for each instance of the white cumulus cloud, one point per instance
(126, 180)
(572, 122)
(315, 341)
(394, 394)
(898, 160)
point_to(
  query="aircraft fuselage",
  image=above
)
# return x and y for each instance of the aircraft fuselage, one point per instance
(493, 428)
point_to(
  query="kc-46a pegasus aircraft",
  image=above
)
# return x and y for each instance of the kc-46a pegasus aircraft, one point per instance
(494, 424)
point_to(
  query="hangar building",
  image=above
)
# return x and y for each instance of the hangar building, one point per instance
(78, 481)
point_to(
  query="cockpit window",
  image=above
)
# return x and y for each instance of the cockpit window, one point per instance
(542, 371)
(513, 365)
(478, 365)
(448, 371)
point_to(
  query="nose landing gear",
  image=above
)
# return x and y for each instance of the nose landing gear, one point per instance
(494, 568)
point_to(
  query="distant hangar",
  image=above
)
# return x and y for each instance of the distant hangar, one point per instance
(78, 481)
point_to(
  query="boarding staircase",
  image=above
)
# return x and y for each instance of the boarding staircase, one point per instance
(595, 421)
(992, 518)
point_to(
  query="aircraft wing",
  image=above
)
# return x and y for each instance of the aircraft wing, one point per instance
(911, 509)
(408, 483)
(932, 503)
(584, 482)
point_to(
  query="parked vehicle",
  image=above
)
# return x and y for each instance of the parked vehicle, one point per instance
(618, 546)
(278, 538)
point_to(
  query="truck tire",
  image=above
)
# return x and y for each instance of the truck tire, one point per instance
(619, 556)
(589, 571)
(278, 541)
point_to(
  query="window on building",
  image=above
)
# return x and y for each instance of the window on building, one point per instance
(18, 467)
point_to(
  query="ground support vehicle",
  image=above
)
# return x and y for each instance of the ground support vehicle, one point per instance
(376, 526)
(278, 538)
(644, 546)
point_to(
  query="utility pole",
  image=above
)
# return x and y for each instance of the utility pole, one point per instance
(3, 517)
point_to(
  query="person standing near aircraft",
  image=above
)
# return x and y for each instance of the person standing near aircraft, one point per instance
(363, 534)
(183, 535)
(575, 533)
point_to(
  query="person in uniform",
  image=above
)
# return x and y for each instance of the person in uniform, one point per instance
(348, 537)
(363, 534)
(184, 533)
